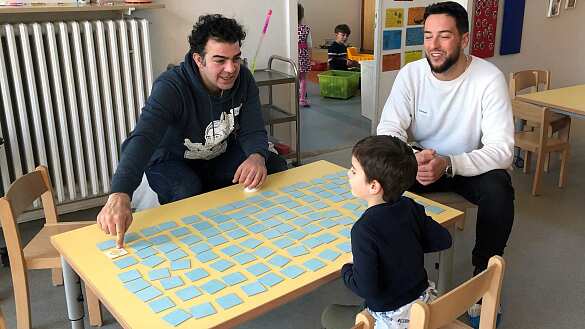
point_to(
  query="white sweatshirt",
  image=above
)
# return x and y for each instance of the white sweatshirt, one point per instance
(469, 118)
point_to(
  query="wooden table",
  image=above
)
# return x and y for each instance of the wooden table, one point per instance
(568, 100)
(80, 256)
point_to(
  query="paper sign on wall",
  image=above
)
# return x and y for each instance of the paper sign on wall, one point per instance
(415, 15)
(392, 40)
(394, 17)
(411, 56)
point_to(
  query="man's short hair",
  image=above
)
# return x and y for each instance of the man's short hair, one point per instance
(342, 28)
(453, 9)
(216, 27)
(388, 160)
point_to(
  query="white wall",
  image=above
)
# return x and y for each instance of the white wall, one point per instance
(172, 25)
(323, 15)
(556, 43)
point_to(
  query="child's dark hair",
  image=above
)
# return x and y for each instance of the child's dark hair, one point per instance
(453, 9)
(388, 160)
(343, 28)
(216, 27)
(301, 12)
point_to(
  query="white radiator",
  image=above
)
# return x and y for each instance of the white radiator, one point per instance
(71, 92)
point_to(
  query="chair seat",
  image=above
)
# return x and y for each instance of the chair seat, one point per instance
(39, 252)
(530, 140)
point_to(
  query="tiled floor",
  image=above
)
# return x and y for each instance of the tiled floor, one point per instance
(331, 124)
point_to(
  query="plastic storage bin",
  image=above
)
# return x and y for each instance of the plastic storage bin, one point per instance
(338, 84)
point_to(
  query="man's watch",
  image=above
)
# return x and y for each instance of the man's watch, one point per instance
(449, 168)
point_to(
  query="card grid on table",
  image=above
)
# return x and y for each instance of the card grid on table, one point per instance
(181, 267)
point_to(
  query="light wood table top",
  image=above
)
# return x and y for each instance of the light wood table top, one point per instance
(568, 100)
(98, 272)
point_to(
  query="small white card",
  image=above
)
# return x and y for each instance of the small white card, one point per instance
(116, 252)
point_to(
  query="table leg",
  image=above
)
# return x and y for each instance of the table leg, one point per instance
(73, 296)
(446, 267)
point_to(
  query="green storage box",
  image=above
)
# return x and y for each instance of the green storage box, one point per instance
(338, 84)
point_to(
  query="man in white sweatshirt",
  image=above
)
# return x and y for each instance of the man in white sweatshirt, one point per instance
(457, 109)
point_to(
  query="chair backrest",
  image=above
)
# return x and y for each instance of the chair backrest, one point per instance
(533, 80)
(18, 198)
(530, 112)
(447, 308)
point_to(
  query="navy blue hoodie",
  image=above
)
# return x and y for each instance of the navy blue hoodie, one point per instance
(181, 117)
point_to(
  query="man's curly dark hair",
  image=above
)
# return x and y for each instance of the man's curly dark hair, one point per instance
(217, 27)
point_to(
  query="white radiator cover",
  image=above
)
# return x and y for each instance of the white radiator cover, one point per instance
(71, 92)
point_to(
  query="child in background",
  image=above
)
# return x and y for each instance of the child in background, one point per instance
(390, 239)
(337, 52)
(305, 44)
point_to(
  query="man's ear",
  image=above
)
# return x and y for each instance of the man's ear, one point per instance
(464, 40)
(375, 187)
(200, 61)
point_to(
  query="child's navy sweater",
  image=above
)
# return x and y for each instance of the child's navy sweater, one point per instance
(388, 243)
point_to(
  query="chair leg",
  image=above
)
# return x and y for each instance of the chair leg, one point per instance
(57, 276)
(2, 321)
(93, 308)
(537, 172)
(563, 175)
(527, 160)
(546, 162)
(21, 299)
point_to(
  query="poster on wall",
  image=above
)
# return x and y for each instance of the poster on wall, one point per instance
(414, 36)
(391, 62)
(483, 39)
(411, 56)
(392, 40)
(394, 17)
(512, 27)
(416, 15)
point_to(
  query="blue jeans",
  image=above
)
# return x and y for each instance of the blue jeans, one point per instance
(174, 178)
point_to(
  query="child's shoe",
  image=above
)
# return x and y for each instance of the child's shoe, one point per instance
(304, 103)
(474, 312)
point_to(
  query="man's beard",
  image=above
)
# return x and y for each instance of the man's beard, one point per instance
(449, 62)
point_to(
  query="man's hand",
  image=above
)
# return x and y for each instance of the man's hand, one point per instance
(116, 216)
(252, 172)
(430, 171)
(425, 156)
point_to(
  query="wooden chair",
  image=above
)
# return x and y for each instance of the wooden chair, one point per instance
(444, 311)
(364, 320)
(533, 81)
(539, 141)
(38, 253)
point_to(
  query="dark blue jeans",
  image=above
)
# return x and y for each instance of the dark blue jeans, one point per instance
(493, 194)
(174, 178)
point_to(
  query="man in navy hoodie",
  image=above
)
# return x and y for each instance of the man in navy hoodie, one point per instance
(201, 128)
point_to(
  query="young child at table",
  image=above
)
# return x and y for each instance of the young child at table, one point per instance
(390, 239)
(337, 51)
